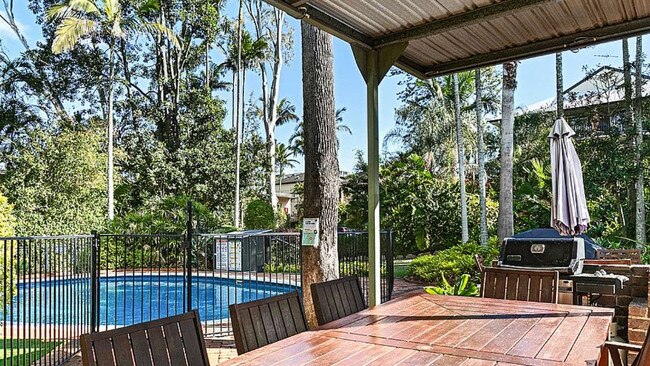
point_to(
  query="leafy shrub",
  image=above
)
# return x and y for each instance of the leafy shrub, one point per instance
(167, 215)
(7, 229)
(259, 215)
(281, 268)
(462, 288)
(454, 262)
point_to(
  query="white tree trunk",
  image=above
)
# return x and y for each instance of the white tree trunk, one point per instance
(273, 105)
(559, 85)
(483, 237)
(506, 220)
(238, 128)
(461, 162)
(109, 130)
(640, 184)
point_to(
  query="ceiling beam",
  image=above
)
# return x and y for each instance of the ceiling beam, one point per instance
(478, 15)
(569, 42)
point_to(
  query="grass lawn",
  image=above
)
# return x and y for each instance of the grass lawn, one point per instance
(400, 268)
(24, 351)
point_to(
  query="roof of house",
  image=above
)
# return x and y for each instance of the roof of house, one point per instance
(601, 86)
(300, 177)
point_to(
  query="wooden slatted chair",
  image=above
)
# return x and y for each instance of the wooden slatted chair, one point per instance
(336, 299)
(512, 284)
(173, 341)
(258, 323)
(642, 359)
(480, 262)
(634, 255)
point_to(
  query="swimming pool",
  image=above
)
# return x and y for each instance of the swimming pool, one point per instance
(125, 300)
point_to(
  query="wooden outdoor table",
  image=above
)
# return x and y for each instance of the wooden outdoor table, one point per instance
(423, 329)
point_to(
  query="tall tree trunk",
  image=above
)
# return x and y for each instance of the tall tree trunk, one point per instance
(238, 121)
(109, 130)
(629, 117)
(273, 104)
(640, 184)
(483, 237)
(461, 162)
(506, 220)
(559, 85)
(321, 160)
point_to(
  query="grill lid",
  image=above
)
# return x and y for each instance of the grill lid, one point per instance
(565, 255)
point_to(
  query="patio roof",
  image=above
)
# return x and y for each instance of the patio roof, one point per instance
(453, 35)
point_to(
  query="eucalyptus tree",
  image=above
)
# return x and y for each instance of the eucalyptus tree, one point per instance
(102, 20)
(321, 161)
(506, 219)
(268, 23)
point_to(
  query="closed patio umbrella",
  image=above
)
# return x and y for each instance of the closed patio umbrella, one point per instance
(569, 215)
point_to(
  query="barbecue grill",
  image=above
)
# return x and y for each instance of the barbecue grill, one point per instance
(565, 255)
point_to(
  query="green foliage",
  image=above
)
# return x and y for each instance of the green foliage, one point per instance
(7, 219)
(454, 262)
(7, 225)
(57, 181)
(259, 215)
(422, 210)
(281, 268)
(462, 288)
(166, 215)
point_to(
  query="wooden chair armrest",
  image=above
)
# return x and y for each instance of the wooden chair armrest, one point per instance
(624, 346)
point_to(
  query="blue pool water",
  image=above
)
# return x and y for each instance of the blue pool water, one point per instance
(125, 300)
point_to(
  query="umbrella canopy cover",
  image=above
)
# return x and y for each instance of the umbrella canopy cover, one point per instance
(569, 214)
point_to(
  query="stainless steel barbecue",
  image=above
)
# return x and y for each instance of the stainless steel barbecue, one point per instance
(565, 255)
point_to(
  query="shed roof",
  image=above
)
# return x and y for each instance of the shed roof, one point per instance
(453, 35)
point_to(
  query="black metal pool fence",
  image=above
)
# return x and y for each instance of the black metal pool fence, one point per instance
(54, 289)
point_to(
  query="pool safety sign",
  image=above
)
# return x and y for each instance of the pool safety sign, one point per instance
(310, 230)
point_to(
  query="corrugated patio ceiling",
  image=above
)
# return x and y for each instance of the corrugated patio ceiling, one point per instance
(453, 35)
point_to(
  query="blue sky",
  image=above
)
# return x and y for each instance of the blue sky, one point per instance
(536, 80)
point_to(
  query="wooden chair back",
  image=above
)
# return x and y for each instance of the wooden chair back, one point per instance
(606, 262)
(173, 341)
(480, 262)
(633, 255)
(511, 284)
(336, 299)
(261, 322)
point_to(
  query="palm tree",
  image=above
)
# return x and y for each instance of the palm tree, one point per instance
(640, 184)
(506, 219)
(480, 126)
(94, 19)
(283, 160)
(461, 161)
(297, 142)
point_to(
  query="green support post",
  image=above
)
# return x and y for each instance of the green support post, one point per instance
(374, 64)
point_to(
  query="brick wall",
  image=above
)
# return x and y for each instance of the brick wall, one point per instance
(631, 304)
(634, 296)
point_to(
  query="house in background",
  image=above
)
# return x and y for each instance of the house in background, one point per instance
(289, 190)
(595, 104)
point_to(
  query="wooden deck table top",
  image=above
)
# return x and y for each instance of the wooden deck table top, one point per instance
(424, 329)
